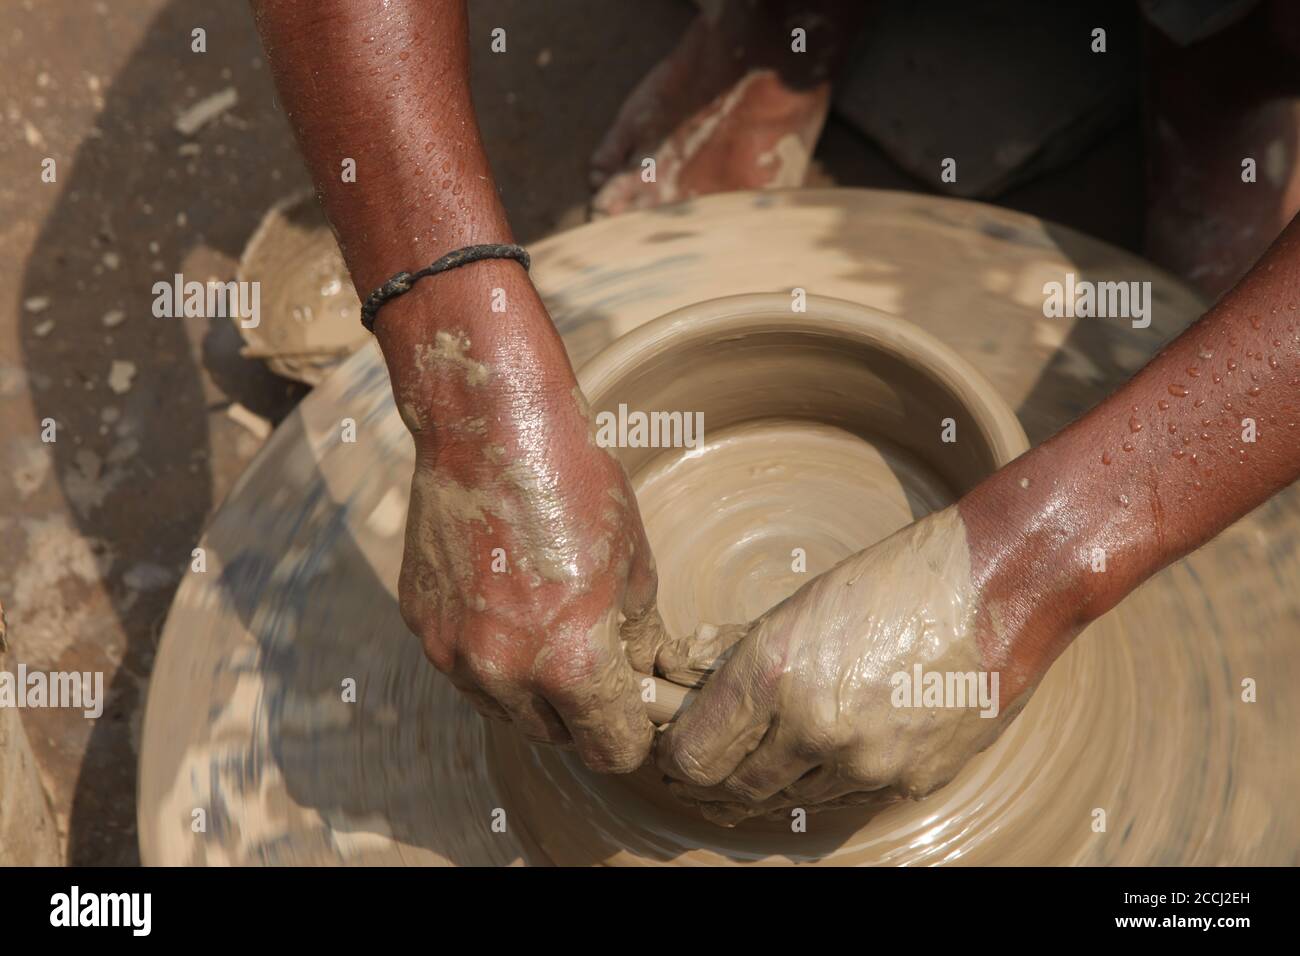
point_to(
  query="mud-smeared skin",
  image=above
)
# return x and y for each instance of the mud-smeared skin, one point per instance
(758, 134)
(732, 107)
(802, 715)
(524, 550)
(524, 554)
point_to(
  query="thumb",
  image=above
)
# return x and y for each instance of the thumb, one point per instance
(642, 631)
(690, 660)
(643, 634)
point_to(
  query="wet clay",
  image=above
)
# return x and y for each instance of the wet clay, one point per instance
(766, 506)
(28, 835)
(310, 314)
(1141, 719)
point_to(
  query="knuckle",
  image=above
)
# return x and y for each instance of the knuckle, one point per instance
(919, 782)
(689, 764)
(419, 608)
(615, 759)
(869, 771)
(414, 611)
(488, 670)
(439, 654)
(819, 736)
(769, 663)
(439, 651)
(573, 674)
(569, 685)
(417, 575)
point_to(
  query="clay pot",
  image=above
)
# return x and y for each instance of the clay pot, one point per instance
(823, 431)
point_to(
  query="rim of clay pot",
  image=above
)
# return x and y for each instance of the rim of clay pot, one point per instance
(712, 319)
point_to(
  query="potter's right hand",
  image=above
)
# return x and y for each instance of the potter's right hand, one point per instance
(807, 711)
(526, 572)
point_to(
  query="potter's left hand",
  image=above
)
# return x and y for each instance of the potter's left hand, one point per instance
(808, 708)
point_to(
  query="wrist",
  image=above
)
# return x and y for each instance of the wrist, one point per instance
(1032, 547)
(388, 229)
(458, 367)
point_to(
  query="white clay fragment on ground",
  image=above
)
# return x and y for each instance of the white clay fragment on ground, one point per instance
(120, 374)
(205, 111)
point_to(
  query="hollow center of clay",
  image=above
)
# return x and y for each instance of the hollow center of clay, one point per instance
(764, 506)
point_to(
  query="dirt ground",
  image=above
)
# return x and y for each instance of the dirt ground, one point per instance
(97, 526)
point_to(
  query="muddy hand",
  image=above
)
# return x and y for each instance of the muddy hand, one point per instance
(526, 572)
(818, 702)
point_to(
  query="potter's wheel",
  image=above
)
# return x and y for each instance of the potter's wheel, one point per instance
(1143, 718)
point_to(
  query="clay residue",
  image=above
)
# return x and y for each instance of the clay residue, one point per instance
(543, 523)
(816, 681)
(788, 161)
(435, 501)
(450, 351)
(529, 505)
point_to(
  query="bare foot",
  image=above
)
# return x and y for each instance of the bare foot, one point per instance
(758, 134)
(715, 115)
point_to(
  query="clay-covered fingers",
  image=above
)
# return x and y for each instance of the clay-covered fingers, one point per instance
(594, 692)
(693, 659)
(725, 722)
(774, 765)
(642, 631)
(497, 693)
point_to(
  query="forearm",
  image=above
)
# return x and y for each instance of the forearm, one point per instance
(1062, 534)
(386, 85)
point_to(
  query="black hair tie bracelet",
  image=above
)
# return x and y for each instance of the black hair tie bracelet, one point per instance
(403, 281)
